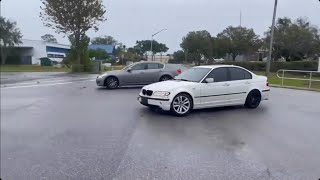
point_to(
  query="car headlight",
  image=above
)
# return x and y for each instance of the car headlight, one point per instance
(161, 93)
(101, 75)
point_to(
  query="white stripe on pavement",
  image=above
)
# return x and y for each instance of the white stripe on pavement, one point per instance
(44, 85)
(45, 81)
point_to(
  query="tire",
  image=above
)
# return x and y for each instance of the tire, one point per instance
(165, 78)
(181, 104)
(253, 99)
(111, 83)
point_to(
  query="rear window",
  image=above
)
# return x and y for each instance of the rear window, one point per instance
(239, 74)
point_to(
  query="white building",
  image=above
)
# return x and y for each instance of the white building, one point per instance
(32, 50)
(159, 58)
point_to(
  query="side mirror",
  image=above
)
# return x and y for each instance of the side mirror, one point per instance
(209, 80)
(129, 70)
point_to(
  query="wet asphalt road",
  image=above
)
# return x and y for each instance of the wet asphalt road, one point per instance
(13, 77)
(67, 128)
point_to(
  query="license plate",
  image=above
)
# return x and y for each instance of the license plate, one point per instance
(144, 100)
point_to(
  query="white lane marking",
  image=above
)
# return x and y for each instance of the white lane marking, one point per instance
(45, 81)
(44, 85)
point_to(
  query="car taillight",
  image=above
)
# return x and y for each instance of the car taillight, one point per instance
(179, 71)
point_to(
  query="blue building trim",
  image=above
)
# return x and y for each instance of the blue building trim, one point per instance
(57, 50)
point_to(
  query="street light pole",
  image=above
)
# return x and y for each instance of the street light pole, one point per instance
(151, 48)
(152, 41)
(271, 38)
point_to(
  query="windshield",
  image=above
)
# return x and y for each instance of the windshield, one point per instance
(127, 67)
(193, 74)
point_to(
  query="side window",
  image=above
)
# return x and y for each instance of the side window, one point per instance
(239, 74)
(219, 75)
(140, 66)
(153, 66)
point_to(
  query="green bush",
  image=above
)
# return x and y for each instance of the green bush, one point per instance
(77, 68)
(13, 60)
(173, 61)
(275, 66)
(88, 67)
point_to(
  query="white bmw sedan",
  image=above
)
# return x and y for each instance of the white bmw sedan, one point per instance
(206, 87)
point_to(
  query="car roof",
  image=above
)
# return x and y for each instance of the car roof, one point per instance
(149, 62)
(215, 66)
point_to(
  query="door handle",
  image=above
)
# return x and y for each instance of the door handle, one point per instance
(226, 84)
(247, 82)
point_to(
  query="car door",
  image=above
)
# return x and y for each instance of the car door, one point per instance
(136, 74)
(240, 82)
(216, 93)
(152, 73)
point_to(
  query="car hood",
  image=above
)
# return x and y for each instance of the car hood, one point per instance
(167, 85)
(117, 72)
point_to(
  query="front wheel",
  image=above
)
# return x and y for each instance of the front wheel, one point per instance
(253, 99)
(112, 83)
(181, 104)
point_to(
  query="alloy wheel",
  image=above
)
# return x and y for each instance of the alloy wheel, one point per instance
(181, 104)
(165, 78)
(112, 83)
(253, 99)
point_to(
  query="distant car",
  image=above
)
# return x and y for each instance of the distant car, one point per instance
(219, 60)
(106, 65)
(205, 87)
(140, 73)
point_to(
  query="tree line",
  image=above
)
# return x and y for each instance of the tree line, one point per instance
(293, 40)
(123, 53)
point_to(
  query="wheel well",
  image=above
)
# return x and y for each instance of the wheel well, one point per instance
(105, 80)
(166, 75)
(255, 90)
(188, 95)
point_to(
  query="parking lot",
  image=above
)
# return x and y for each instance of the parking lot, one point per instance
(67, 128)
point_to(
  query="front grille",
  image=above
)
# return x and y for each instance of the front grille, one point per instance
(147, 92)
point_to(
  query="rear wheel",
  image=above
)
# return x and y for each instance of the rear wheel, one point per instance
(165, 78)
(253, 99)
(111, 83)
(181, 104)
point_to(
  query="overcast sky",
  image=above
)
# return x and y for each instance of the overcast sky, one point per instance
(131, 20)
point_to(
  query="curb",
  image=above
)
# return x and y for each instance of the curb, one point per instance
(293, 87)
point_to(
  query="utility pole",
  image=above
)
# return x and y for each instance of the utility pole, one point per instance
(240, 18)
(271, 38)
(152, 41)
(0, 9)
(1, 40)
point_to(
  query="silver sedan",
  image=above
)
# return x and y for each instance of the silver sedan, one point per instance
(140, 73)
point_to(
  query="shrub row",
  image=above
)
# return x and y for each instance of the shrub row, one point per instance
(275, 66)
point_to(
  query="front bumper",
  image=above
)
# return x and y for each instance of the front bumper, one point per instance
(164, 104)
(100, 81)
